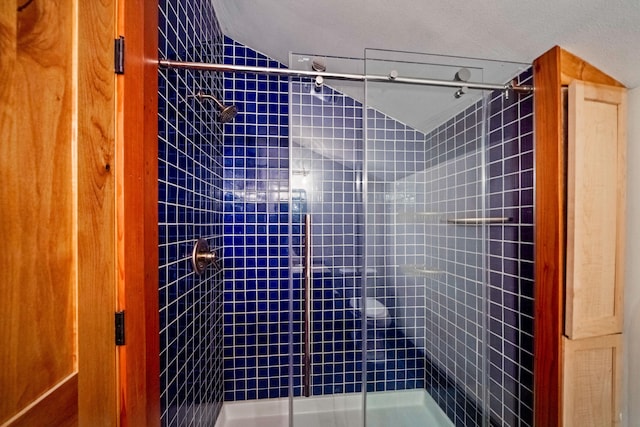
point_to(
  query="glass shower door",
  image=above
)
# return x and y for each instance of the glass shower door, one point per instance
(326, 252)
(436, 226)
(410, 218)
(424, 160)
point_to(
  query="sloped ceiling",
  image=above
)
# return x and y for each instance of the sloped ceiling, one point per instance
(605, 33)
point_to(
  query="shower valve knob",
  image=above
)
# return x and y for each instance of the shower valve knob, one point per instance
(202, 257)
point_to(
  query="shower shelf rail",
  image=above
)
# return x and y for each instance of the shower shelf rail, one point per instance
(480, 220)
(420, 270)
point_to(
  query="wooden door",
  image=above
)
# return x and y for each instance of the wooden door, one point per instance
(57, 213)
(592, 382)
(596, 193)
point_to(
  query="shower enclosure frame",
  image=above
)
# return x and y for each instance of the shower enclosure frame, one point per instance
(391, 78)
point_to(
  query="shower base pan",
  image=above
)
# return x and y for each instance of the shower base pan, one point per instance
(411, 408)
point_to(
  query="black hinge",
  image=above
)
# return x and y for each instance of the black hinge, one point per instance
(118, 53)
(120, 327)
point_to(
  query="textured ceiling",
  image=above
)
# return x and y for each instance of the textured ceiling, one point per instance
(605, 33)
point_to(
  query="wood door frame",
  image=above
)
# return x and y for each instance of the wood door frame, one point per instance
(137, 213)
(96, 200)
(552, 70)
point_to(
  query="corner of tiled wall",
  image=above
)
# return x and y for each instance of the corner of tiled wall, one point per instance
(190, 207)
(510, 268)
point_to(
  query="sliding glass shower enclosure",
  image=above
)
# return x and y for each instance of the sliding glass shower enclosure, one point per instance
(410, 244)
(374, 224)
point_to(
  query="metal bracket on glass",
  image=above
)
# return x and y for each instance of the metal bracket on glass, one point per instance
(202, 257)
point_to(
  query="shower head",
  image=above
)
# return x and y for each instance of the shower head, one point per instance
(227, 113)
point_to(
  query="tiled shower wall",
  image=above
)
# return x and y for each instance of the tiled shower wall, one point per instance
(256, 175)
(510, 267)
(256, 178)
(443, 262)
(256, 247)
(326, 139)
(190, 204)
(394, 150)
(256, 193)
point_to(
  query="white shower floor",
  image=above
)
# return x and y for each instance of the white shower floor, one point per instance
(412, 408)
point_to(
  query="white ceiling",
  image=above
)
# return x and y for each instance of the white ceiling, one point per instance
(605, 33)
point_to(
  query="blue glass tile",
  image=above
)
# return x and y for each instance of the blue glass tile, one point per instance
(273, 253)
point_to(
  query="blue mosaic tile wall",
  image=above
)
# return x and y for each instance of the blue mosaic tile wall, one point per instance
(257, 180)
(454, 297)
(445, 320)
(510, 192)
(190, 207)
(433, 270)
(327, 152)
(256, 194)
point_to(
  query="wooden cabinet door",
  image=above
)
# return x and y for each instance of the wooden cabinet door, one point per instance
(57, 262)
(592, 381)
(596, 175)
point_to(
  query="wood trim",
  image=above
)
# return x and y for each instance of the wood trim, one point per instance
(137, 217)
(9, 128)
(96, 213)
(552, 70)
(151, 278)
(59, 406)
(574, 68)
(549, 237)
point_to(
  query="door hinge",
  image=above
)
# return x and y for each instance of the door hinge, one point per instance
(118, 53)
(119, 327)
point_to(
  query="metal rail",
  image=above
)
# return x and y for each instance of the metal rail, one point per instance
(419, 269)
(306, 382)
(479, 221)
(392, 77)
